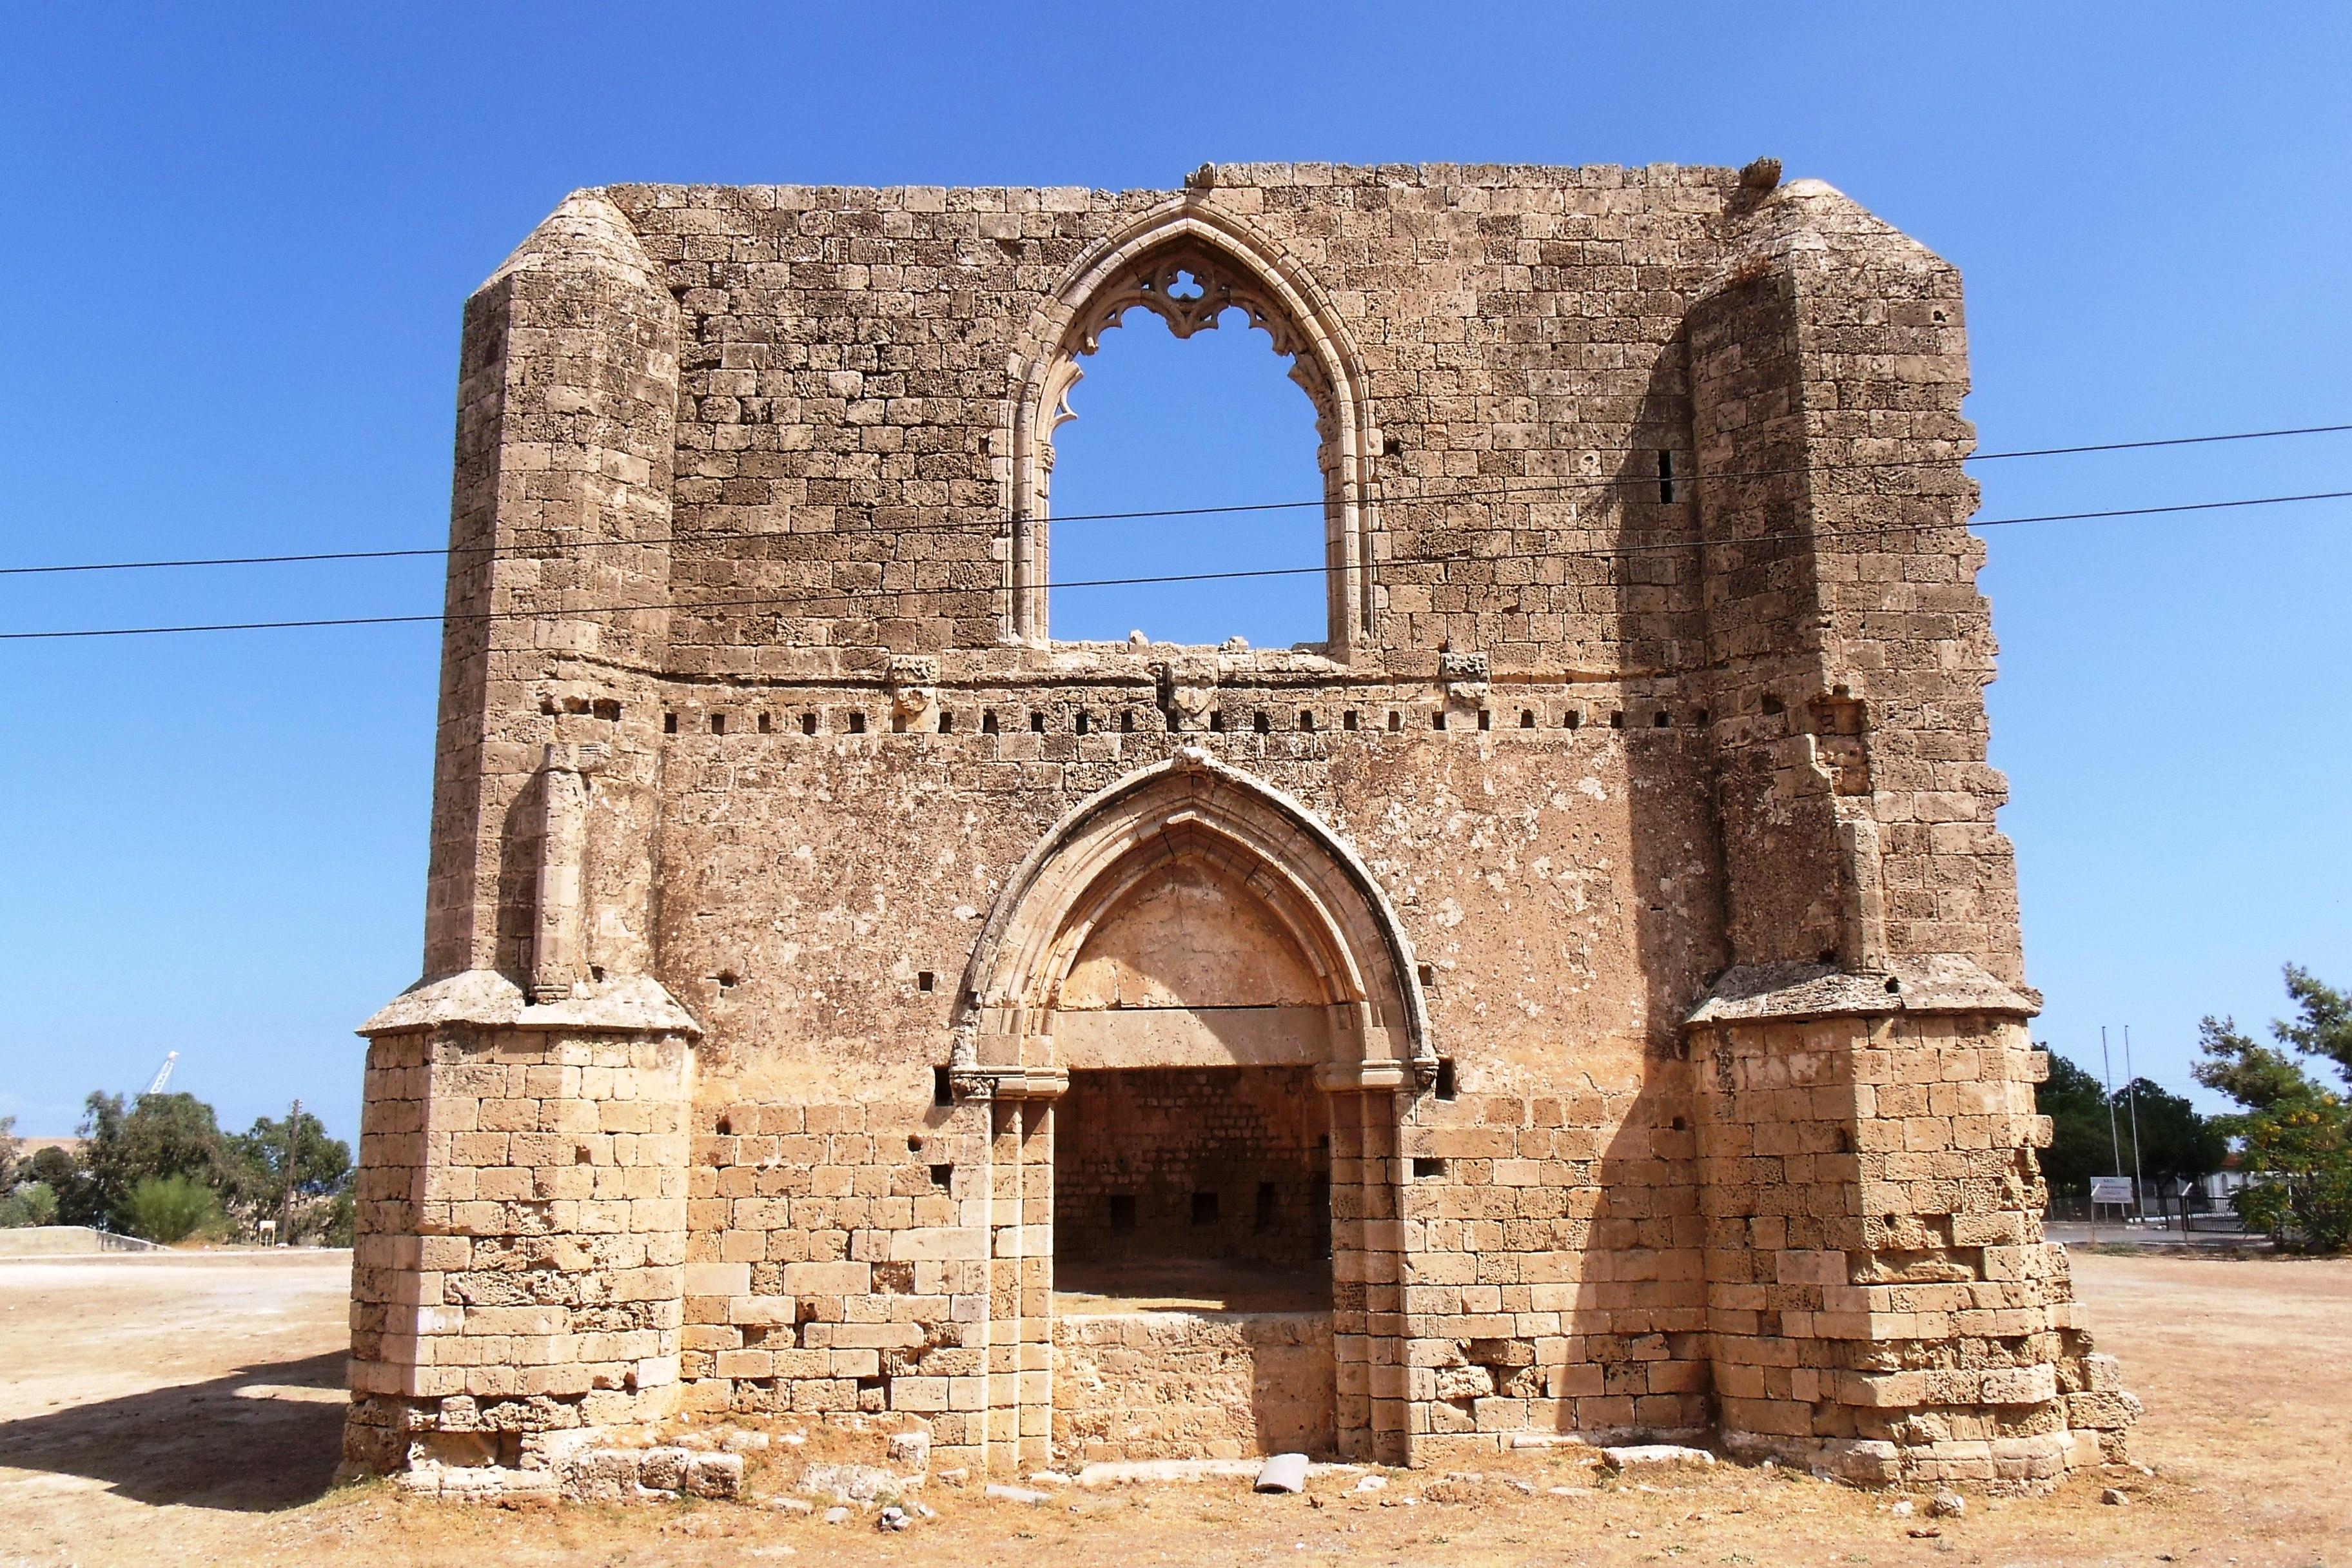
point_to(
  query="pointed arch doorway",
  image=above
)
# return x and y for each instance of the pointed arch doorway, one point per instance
(1198, 1015)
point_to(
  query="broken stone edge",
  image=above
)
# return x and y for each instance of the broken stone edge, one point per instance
(1782, 993)
(586, 1474)
(483, 998)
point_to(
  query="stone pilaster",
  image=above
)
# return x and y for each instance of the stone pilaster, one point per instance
(1367, 1307)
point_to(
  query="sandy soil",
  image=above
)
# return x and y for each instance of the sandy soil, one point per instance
(181, 1410)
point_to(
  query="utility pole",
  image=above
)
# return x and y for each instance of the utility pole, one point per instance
(2107, 1073)
(2131, 1093)
(286, 1203)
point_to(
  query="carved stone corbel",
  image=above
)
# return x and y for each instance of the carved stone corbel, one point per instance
(914, 689)
(1465, 678)
(1009, 1083)
(1188, 692)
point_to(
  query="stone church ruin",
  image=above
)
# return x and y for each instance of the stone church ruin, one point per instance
(1580, 998)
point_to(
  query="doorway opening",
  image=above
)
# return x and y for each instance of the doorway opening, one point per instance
(1213, 993)
(1192, 1265)
(1193, 1187)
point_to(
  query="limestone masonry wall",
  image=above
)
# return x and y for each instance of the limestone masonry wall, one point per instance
(1191, 1386)
(1612, 902)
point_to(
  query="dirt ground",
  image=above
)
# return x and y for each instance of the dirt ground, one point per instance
(183, 1409)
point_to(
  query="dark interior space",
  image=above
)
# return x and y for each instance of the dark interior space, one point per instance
(1193, 1182)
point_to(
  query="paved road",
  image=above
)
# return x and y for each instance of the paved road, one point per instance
(2155, 1236)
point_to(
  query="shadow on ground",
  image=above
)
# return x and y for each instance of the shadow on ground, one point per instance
(200, 1445)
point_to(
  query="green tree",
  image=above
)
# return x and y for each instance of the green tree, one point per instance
(2325, 1027)
(322, 1170)
(2080, 1143)
(29, 1203)
(171, 1208)
(2175, 1137)
(2256, 1076)
(321, 1164)
(63, 1175)
(160, 1135)
(2296, 1131)
(2087, 1141)
(7, 1152)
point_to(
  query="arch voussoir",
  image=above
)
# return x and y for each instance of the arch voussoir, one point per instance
(1192, 806)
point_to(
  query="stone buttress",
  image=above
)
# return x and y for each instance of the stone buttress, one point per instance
(1880, 1297)
(521, 1241)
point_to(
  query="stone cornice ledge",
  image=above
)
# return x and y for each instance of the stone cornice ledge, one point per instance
(482, 998)
(1782, 993)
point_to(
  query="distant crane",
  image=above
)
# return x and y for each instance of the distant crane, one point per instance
(163, 1073)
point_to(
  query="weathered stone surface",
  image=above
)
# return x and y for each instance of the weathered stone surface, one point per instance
(849, 1483)
(1191, 1384)
(1619, 876)
(663, 1469)
(1281, 1473)
(714, 1476)
(1654, 1456)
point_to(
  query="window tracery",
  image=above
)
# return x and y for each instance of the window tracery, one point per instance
(1186, 270)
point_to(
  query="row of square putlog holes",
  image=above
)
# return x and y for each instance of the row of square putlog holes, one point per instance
(1082, 721)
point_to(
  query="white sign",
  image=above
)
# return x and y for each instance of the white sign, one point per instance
(2111, 1190)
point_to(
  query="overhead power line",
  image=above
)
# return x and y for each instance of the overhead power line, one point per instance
(1534, 486)
(809, 600)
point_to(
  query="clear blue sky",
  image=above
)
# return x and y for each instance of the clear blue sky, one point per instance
(239, 237)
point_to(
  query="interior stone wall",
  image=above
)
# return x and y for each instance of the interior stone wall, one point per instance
(1161, 1139)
